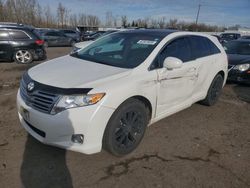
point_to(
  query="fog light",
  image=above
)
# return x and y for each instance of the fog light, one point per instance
(77, 138)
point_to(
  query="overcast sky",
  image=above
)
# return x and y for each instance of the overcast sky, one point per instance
(220, 12)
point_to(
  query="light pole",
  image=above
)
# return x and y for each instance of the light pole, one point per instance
(198, 13)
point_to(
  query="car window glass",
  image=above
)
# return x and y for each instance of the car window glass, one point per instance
(69, 32)
(178, 48)
(213, 48)
(4, 35)
(52, 34)
(199, 47)
(18, 35)
(110, 47)
(119, 50)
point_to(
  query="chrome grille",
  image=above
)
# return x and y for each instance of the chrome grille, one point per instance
(38, 99)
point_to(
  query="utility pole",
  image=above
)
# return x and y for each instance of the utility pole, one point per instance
(198, 13)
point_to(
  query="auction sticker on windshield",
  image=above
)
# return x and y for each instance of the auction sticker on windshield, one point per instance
(147, 42)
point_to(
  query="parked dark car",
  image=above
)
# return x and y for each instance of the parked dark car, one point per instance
(93, 36)
(218, 37)
(226, 37)
(56, 38)
(245, 37)
(238, 52)
(72, 33)
(21, 44)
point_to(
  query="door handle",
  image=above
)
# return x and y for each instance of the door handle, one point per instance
(192, 69)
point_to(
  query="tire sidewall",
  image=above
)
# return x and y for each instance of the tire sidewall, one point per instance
(108, 139)
(210, 98)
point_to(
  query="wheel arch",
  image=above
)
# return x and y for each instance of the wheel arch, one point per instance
(222, 73)
(146, 102)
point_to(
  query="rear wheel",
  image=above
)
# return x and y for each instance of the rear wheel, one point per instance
(126, 128)
(214, 91)
(23, 57)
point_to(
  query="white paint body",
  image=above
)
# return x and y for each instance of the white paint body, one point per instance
(166, 95)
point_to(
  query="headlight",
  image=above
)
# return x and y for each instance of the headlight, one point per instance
(242, 67)
(73, 101)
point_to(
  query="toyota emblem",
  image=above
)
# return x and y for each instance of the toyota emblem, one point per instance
(31, 86)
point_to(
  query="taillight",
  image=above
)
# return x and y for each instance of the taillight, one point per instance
(39, 42)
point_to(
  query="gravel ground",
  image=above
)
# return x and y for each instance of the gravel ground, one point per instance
(198, 147)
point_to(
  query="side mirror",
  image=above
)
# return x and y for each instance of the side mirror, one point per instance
(172, 63)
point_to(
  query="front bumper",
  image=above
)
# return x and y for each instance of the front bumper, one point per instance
(238, 76)
(58, 129)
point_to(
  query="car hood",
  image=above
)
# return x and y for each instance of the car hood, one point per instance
(236, 59)
(83, 44)
(70, 72)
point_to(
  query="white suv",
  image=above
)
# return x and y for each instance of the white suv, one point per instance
(106, 94)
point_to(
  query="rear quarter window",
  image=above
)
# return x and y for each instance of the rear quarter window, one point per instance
(18, 35)
(213, 48)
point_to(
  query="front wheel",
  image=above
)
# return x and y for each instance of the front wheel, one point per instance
(214, 91)
(126, 128)
(23, 57)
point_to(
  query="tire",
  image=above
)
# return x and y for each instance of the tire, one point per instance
(214, 91)
(126, 128)
(23, 56)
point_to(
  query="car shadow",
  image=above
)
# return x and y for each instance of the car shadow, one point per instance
(45, 166)
(243, 92)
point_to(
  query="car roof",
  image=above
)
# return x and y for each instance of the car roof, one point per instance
(156, 32)
(15, 27)
(230, 33)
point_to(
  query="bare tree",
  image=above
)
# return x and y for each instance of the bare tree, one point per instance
(82, 19)
(73, 20)
(2, 11)
(93, 20)
(162, 22)
(48, 16)
(124, 21)
(62, 15)
(30, 12)
(109, 19)
(172, 23)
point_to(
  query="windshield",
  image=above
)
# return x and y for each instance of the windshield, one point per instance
(125, 50)
(238, 47)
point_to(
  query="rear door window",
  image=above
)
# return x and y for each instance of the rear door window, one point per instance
(18, 35)
(54, 34)
(4, 35)
(199, 47)
(69, 32)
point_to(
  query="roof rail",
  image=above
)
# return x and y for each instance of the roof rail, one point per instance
(12, 24)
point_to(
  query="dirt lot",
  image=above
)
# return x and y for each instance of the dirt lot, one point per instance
(198, 147)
